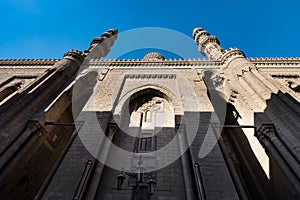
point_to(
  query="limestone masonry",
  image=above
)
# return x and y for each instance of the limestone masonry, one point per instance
(234, 123)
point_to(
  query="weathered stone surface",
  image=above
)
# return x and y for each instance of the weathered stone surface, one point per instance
(142, 106)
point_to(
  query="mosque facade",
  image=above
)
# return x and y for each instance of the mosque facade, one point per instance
(82, 127)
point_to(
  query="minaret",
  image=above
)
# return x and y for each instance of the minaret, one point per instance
(106, 41)
(24, 128)
(210, 46)
(51, 81)
(99, 47)
(261, 102)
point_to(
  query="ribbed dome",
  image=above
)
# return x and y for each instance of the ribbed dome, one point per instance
(153, 56)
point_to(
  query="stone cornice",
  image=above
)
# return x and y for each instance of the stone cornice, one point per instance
(23, 63)
(150, 76)
(28, 62)
(75, 54)
(231, 53)
(172, 63)
(275, 61)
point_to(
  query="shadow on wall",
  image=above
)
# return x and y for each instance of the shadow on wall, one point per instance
(281, 144)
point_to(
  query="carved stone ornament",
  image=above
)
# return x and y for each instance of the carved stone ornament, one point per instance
(150, 76)
(218, 81)
(293, 86)
(75, 54)
(230, 53)
(213, 80)
(112, 129)
(36, 126)
(265, 132)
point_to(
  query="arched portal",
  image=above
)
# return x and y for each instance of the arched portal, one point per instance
(146, 125)
(122, 104)
(148, 109)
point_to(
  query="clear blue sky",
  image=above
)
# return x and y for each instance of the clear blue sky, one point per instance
(47, 29)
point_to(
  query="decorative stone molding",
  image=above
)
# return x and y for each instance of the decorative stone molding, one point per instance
(285, 76)
(74, 54)
(170, 63)
(275, 59)
(217, 81)
(28, 62)
(231, 53)
(151, 105)
(112, 129)
(213, 80)
(293, 86)
(280, 62)
(150, 76)
(264, 132)
(36, 126)
(163, 91)
(137, 62)
(233, 96)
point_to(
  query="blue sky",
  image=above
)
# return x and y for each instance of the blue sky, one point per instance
(47, 29)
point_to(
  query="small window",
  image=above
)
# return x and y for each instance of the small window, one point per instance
(148, 116)
(146, 144)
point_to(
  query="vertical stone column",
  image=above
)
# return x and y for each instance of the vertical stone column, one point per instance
(51, 81)
(283, 164)
(71, 168)
(253, 91)
(186, 164)
(19, 138)
(87, 78)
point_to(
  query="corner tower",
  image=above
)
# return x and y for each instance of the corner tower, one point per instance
(257, 97)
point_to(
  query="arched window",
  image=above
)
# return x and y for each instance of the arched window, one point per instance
(148, 116)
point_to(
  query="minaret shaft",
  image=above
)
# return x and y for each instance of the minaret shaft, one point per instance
(254, 94)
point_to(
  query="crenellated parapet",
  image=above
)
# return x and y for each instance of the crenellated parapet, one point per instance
(230, 54)
(74, 55)
(280, 62)
(27, 62)
(126, 63)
